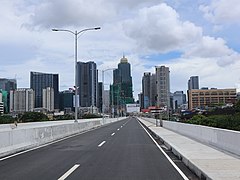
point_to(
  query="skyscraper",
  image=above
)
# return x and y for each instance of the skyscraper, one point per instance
(122, 84)
(193, 83)
(40, 81)
(146, 81)
(21, 100)
(100, 97)
(6, 85)
(153, 90)
(121, 92)
(48, 98)
(163, 86)
(87, 83)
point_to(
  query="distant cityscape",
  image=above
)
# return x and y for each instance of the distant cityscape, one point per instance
(43, 95)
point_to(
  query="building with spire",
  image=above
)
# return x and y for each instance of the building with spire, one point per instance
(121, 92)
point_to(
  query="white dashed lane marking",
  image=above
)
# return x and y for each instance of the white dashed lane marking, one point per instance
(102, 143)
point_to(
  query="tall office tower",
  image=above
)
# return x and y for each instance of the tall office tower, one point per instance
(193, 83)
(163, 86)
(6, 85)
(179, 98)
(87, 83)
(141, 100)
(66, 100)
(100, 97)
(21, 100)
(40, 81)
(153, 90)
(48, 98)
(122, 83)
(146, 81)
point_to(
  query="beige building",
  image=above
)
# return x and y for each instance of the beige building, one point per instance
(21, 100)
(48, 98)
(163, 86)
(203, 98)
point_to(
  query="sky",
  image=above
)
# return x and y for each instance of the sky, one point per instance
(193, 38)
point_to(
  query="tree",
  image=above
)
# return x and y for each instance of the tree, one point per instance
(33, 117)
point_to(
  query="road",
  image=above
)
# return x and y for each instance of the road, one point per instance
(122, 150)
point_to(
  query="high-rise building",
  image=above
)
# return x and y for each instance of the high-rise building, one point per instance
(66, 100)
(193, 83)
(141, 100)
(163, 86)
(146, 81)
(48, 98)
(153, 90)
(21, 100)
(87, 83)
(6, 85)
(121, 91)
(100, 97)
(40, 81)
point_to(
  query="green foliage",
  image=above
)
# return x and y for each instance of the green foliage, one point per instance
(6, 119)
(89, 116)
(237, 106)
(64, 117)
(231, 121)
(33, 117)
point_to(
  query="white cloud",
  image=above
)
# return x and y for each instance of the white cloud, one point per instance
(211, 75)
(71, 13)
(160, 29)
(213, 48)
(222, 11)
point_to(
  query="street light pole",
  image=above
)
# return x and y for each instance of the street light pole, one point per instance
(76, 33)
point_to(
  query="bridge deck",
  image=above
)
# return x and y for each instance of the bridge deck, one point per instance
(205, 160)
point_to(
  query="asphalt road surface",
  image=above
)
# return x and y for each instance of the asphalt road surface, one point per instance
(122, 150)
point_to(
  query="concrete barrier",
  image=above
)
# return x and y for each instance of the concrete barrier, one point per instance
(222, 139)
(28, 135)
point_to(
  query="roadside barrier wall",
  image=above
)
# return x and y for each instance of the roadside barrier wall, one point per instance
(227, 140)
(28, 135)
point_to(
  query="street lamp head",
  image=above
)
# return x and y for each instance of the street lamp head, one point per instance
(54, 29)
(97, 28)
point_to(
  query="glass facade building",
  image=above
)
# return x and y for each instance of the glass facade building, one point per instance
(40, 81)
(87, 83)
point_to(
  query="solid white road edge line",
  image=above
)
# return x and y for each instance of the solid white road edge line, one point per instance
(70, 171)
(102, 143)
(169, 159)
(112, 134)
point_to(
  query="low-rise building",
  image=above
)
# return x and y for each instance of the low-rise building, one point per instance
(1, 104)
(205, 98)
